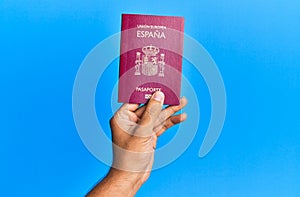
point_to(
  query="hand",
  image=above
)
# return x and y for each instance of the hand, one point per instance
(134, 134)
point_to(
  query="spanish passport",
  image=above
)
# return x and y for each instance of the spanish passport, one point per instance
(150, 58)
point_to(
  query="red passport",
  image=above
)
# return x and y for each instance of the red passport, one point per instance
(151, 58)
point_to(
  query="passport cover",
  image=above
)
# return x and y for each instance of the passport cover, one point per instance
(151, 58)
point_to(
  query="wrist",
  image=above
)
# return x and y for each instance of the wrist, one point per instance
(129, 182)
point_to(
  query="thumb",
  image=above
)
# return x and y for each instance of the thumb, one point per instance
(153, 109)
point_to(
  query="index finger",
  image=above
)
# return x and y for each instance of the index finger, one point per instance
(129, 107)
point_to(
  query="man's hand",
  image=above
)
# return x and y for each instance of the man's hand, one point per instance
(134, 134)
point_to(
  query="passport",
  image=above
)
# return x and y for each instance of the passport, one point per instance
(150, 58)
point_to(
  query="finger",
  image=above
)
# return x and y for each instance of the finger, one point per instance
(126, 111)
(153, 108)
(129, 107)
(124, 118)
(169, 111)
(139, 112)
(173, 120)
(133, 117)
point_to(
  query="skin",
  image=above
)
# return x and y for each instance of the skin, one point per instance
(134, 134)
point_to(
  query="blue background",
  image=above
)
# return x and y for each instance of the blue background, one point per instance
(256, 45)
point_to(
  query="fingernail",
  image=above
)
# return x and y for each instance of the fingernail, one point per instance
(158, 96)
